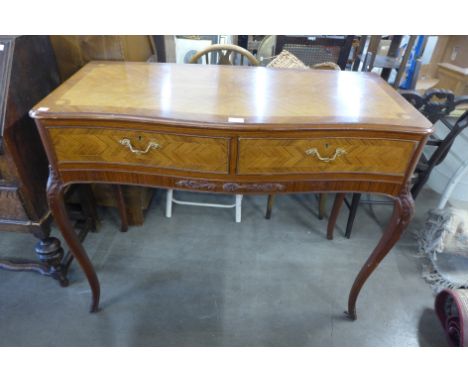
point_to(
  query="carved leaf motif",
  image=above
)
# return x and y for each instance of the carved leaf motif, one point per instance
(196, 184)
(264, 187)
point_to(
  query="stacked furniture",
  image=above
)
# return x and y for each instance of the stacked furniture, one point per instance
(28, 72)
(436, 105)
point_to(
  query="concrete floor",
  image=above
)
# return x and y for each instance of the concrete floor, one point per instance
(200, 279)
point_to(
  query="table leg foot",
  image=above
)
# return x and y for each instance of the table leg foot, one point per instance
(94, 307)
(350, 316)
(403, 211)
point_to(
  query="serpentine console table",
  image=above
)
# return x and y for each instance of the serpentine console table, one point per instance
(225, 129)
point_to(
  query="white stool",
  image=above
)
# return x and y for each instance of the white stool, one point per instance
(170, 199)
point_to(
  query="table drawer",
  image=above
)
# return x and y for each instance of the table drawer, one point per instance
(120, 146)
(324, 155)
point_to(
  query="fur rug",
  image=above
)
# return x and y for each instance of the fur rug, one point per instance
(444, 242)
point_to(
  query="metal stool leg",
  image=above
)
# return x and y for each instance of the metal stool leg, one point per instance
(169, 195)
(238, 208)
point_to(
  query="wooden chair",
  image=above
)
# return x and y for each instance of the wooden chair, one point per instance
(218, 54)
(313, 50)
(224, 54)
(436, 105)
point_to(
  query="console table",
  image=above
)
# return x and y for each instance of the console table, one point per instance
(224, 129)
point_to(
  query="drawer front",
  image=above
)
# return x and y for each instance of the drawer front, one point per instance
(324, 155)
(161, 150)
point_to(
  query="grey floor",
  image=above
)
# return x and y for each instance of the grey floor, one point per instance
(200, 279)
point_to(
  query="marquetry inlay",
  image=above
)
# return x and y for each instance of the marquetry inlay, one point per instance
(283, 156)
(101, 145)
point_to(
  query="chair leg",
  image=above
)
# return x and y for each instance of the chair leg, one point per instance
(419, 184)
(121, 207)
(339, 198)
(88, 204)
(352, 214)
(271, 199)
(238, 208)
(322, 205)
(169, 195)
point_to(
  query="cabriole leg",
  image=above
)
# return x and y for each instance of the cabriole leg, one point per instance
(238, 208)
(55, 195)
(403, 211)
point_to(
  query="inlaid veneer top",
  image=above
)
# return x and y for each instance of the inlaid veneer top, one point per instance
(228, 95)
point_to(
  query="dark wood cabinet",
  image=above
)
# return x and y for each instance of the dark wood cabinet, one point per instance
(28, 72)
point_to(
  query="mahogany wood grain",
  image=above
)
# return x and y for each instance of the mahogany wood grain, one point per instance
(403, 212)
(278, 114)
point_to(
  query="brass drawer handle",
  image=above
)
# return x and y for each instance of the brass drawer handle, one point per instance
(151, 145)
(338, 152)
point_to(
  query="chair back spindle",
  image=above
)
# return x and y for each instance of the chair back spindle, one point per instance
(224, 54)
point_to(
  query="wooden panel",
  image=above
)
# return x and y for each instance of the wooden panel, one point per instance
(460, 43)
(174, 151)
(4, 48)
(453, 78)
(3, 168)
(257, 186)
(73, 52)
(11, 206)
(281, 156)
(27, 74)
(137, 200)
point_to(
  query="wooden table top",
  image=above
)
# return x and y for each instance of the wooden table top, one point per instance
(229, 95)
